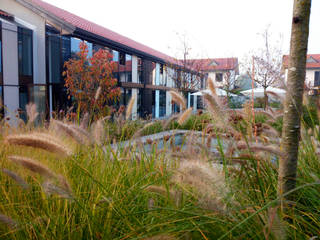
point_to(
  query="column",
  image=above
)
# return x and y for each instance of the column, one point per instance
(134, 92)
(10, 70)
(157, 95)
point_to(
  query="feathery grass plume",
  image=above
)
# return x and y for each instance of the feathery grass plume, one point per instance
(140, 131)
(275, 95)
(39, 140)
(161, 191)
(214, 108)
(98, 92)
(167, 122)
(185, 115)
(274, 225)
(33, 166)
(50, 188)
(98, 132)
(178, 99)
(72, 131)
(212, 87)
(64, 183)
(32, 112)
(258, 147)
(130, 107)
(265, 113)
(16, 178)
(207, 181)
(8, 221)
(160, 237)
(84, 121)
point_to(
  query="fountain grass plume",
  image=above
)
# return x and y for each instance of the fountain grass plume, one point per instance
(98, 132)
(258, 147)
(207, 182)
(178, 99)
(51, 188)
(16, 178)
(71, 130)
(97, 95)
(167, 122)
(185, 115)
(84, 121)
(130, 107)
(39, 140)
(32, 112)
(33, 166)
(12, 224)
(214, 108)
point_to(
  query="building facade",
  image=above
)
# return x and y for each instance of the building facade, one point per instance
(36, 38)
(312, 70)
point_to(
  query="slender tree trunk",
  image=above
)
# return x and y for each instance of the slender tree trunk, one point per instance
(293, 100)
(265, 98)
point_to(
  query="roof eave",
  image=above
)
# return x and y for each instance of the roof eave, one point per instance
(65, 27)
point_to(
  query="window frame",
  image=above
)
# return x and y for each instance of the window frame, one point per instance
(25, 79)
(217, 79)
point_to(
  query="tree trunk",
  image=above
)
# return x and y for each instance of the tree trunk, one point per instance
(293, 100)
(265, 98)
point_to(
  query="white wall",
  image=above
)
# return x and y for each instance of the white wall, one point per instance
(309, 76)
(35, 22)
(10, 70)
(134, 92)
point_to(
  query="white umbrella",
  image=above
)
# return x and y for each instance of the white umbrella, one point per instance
(259, 92)
(220, 92)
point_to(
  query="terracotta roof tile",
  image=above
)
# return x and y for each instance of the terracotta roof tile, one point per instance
(309, 65)
(98, 30)
(214, 64)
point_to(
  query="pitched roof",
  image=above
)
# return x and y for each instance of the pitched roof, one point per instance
(215, 64)
(314, 63)
(94, 28)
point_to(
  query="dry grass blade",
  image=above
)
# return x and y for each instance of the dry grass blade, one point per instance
(130, 107)
(50, 188)
(39, 140)
(76, 133)
(16, 178)
(33, 166)
(185, 115)
(178, 99)
(161, 237)
(8, 221)
(275, 95)
(258, 147)
(265, 113)
(161, 191)
(140, 131)
(32, 112)
(211, 86)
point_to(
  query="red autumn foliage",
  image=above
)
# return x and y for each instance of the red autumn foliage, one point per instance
(84, 75)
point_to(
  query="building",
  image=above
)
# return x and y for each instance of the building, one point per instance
(312, 70)
(223, 71)
(36, 38)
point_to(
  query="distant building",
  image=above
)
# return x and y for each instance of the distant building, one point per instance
(220, 70)
(36, 38)
(312, 70)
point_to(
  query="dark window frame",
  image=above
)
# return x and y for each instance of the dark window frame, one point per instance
(220, 78)
(316, 78)
(1, 74)
(25, 79)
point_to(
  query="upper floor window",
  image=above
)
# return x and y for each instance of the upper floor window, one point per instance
(25, 56)
(317, 78)
(219, 77)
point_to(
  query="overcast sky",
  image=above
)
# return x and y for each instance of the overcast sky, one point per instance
(213, 28)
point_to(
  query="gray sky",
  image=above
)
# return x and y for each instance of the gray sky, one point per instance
(214, 28)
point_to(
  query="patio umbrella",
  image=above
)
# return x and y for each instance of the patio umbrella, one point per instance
(259, 92)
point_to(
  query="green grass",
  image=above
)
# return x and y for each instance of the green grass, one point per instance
(111, 201)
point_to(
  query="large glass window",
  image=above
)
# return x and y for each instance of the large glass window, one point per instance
(25, 56)
(125, 70)
(162, 104)
(140, 71)
(1, 77)
(75, 42)
(317, 78)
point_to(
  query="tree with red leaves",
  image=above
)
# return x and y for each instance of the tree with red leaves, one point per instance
(90, 81)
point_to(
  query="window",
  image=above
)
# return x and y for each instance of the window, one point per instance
(122, 58)
(25, 56)
(317, 78)
(1, 77)
(219, 77)
(162, 103)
